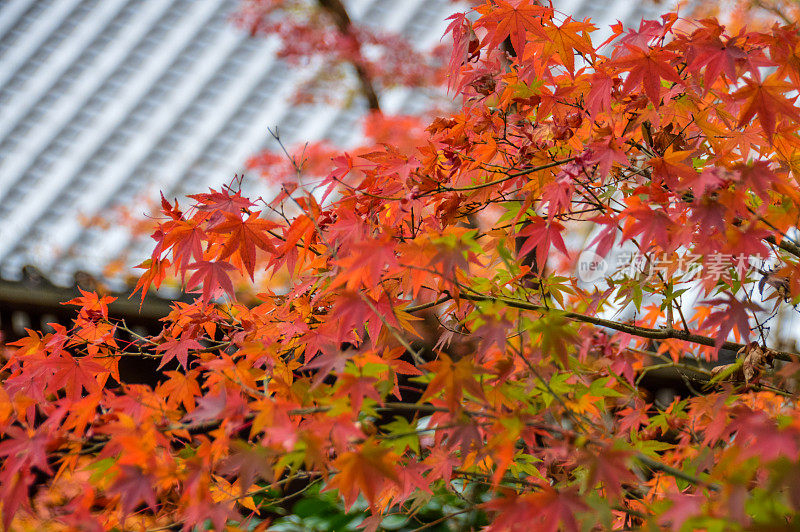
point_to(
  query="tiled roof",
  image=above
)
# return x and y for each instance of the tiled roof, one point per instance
(102, 102)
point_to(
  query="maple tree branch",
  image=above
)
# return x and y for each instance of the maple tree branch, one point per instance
(394, 332)
(510, 176)
(443, 519)
(425, 306)
(635, 330)
(388, 405)
(775, 10)
(341, 19)
(674, 472)
(784, 244)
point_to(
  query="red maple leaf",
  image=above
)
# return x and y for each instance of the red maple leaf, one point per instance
(610, 467)
(155, 272)
(222, 201)
(733, 315)
(177, 348)
(655, 226)
(717, 56)
(14, 489)
(646, 68)
(768, 101)
(357, 388)
(605, 153)
(213, 277)
(73, 374)
(186, 239)
(545, 510)
(330, 359)
(684, 506)
(599, 97)
(248, 462)
(134, 487)
(243, 238)
(539, 234)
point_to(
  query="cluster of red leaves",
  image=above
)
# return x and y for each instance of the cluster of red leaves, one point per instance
(681, 139)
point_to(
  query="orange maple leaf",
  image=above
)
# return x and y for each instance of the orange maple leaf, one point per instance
(510, 20)
(364, 472)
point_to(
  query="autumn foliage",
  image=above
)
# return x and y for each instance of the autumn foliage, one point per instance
(419, 321)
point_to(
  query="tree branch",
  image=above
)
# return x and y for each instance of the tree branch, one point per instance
(338, 13)
(635, 330)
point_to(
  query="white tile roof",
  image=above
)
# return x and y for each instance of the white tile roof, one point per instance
(102, 102)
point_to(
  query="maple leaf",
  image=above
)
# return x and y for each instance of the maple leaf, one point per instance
(646, 68)
(655, 226)
(759, 177)
(633, 418)
(493, 332)
(606, 237)
(626, 364)
(90, 301)
(465, 436)
(357, 388)
(180, 388)
(134, 487)
(512, 20)
(155, 274)
(22, 447)
(224, 492)
(734, 315)
(539, 235)
(547, 510)
(366, 263)
(243, 238)
(599, 97)
(766, 98)
(72, 374)
(565, 40)
(708, 179)
(248, 462)
(15, 495)
(441, 462)
(611, 467)
(178, 348)
(213, 277)
(465, 43)
(684, 506)
(648, 31)
(453, 378)
(201, 509)
(170, 210)
(718, 59)
(671, 167)
(330, 359)
(760, 436)
(410, 480)
(364, 472)
(186, 239)
(605, 152)
(222, 201)
(558, 195)
(216, 405)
